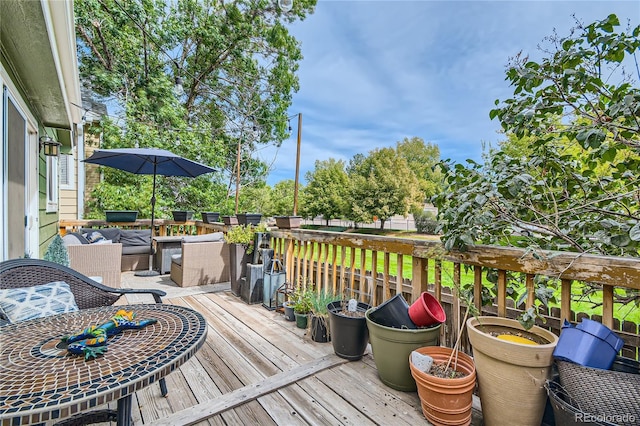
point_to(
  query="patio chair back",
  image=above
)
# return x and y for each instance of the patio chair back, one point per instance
(18, 273)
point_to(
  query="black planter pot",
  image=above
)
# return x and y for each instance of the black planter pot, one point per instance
(182, 215)
(288, 312)
(249, 218)
(319, 328)
(230, 220)
(210, 217)
(238, 258)
(393, 313)
(349, 334)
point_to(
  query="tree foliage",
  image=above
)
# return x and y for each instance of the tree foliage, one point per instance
(567, 177)
(236, 61)
(423, 160)
(568, 189)
(382, 185)
(327, 190)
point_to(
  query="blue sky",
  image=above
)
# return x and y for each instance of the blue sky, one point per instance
(376, 72)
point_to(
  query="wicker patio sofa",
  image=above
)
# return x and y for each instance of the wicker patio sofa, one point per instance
(204, 259)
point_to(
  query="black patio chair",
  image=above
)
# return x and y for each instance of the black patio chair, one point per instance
(17, 273)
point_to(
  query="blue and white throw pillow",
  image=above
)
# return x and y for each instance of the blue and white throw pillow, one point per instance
(25, 303)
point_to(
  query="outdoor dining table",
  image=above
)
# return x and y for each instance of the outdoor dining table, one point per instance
(40, 381)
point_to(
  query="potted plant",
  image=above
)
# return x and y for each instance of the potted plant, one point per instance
(511, 361)
(446, 379)
(301, 302)
(319, 325)
(240, 239)
(349, 332)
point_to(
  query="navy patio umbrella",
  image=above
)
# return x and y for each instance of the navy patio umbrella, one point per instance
(148, 161)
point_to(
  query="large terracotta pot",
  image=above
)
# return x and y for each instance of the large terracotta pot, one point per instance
(511, 376)
(446, 401)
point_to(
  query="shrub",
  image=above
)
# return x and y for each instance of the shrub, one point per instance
(426, 222)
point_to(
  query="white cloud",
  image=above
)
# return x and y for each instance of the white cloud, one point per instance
(375, 72)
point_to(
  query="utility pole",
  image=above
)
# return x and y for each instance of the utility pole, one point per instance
(238, 173)
(295, 187)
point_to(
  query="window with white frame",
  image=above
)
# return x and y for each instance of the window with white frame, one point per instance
(67, 171)
(52, 183)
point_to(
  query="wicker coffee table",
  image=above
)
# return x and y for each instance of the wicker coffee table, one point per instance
(40, 381)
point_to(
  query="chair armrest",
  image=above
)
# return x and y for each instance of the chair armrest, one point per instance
(157, 294)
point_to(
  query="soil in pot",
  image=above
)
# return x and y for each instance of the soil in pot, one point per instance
(445, 400)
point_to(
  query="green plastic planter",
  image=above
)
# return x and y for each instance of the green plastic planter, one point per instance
(391, 348)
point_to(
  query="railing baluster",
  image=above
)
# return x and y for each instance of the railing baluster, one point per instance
(386, 290)
(374, 277)
(531, 291)
(477, 287)
(399, 279)
(607, 305)
(363, 275)
(565, 300)
(352, 271)
(502, 293)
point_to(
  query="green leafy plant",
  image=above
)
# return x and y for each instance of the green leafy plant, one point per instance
(244, 234)
(301, 301)
(320, 300)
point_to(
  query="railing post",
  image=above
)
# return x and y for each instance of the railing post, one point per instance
(565, 300)
(419, 277)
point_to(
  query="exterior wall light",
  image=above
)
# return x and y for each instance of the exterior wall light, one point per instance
(51, 147)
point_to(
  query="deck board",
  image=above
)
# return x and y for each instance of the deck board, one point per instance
(249, 348)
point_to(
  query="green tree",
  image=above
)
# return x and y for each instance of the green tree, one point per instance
(567, 179)
(568, 191)
(423, 160)
(382, 185)
(236, 62)
(282, 198)
(327, 191)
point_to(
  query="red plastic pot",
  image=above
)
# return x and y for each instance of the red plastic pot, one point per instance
(427, 311)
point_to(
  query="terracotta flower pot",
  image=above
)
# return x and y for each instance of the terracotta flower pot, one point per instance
(511, 376)
(445, 401)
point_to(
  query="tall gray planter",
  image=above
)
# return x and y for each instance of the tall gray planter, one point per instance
(239, 259)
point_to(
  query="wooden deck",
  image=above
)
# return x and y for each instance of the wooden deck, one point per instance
(257, 368)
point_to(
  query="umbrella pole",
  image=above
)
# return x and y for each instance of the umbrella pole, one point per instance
(151, 272)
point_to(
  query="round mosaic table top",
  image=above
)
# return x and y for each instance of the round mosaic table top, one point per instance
(40, 380)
